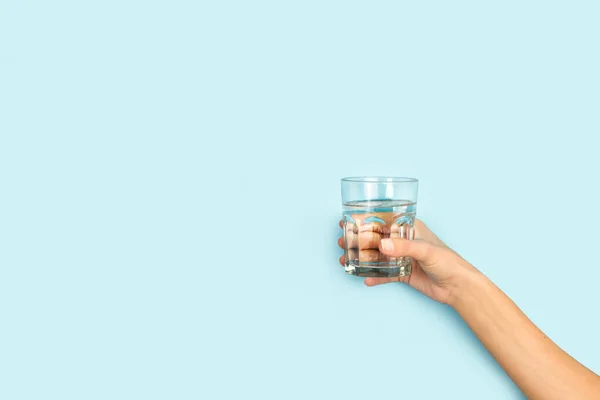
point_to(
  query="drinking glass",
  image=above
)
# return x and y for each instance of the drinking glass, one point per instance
(375, 208)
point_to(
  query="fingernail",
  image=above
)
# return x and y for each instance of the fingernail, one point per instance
(387, 245)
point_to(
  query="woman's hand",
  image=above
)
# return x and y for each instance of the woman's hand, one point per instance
(536, 364)
(437, 271)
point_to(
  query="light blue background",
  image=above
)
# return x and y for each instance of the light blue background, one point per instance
(170, 191)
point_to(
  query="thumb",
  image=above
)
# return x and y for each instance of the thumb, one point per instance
(417, 249)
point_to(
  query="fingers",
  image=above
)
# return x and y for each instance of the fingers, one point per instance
(368, 240)
(423, 248)
(367, 237)
(342, 260)
(369, 256)
(418, 249)
(421, 231)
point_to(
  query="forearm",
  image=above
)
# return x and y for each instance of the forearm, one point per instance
(536, 364)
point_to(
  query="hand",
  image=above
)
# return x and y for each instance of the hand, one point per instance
(436, 270)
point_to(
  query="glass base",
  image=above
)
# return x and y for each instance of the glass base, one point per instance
(378, 271)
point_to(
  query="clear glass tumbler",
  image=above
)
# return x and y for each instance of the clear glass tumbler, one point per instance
(376, 208)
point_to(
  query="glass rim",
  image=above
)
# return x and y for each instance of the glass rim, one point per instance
(379, 179)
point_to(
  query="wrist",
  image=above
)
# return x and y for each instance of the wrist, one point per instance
(466, 285)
